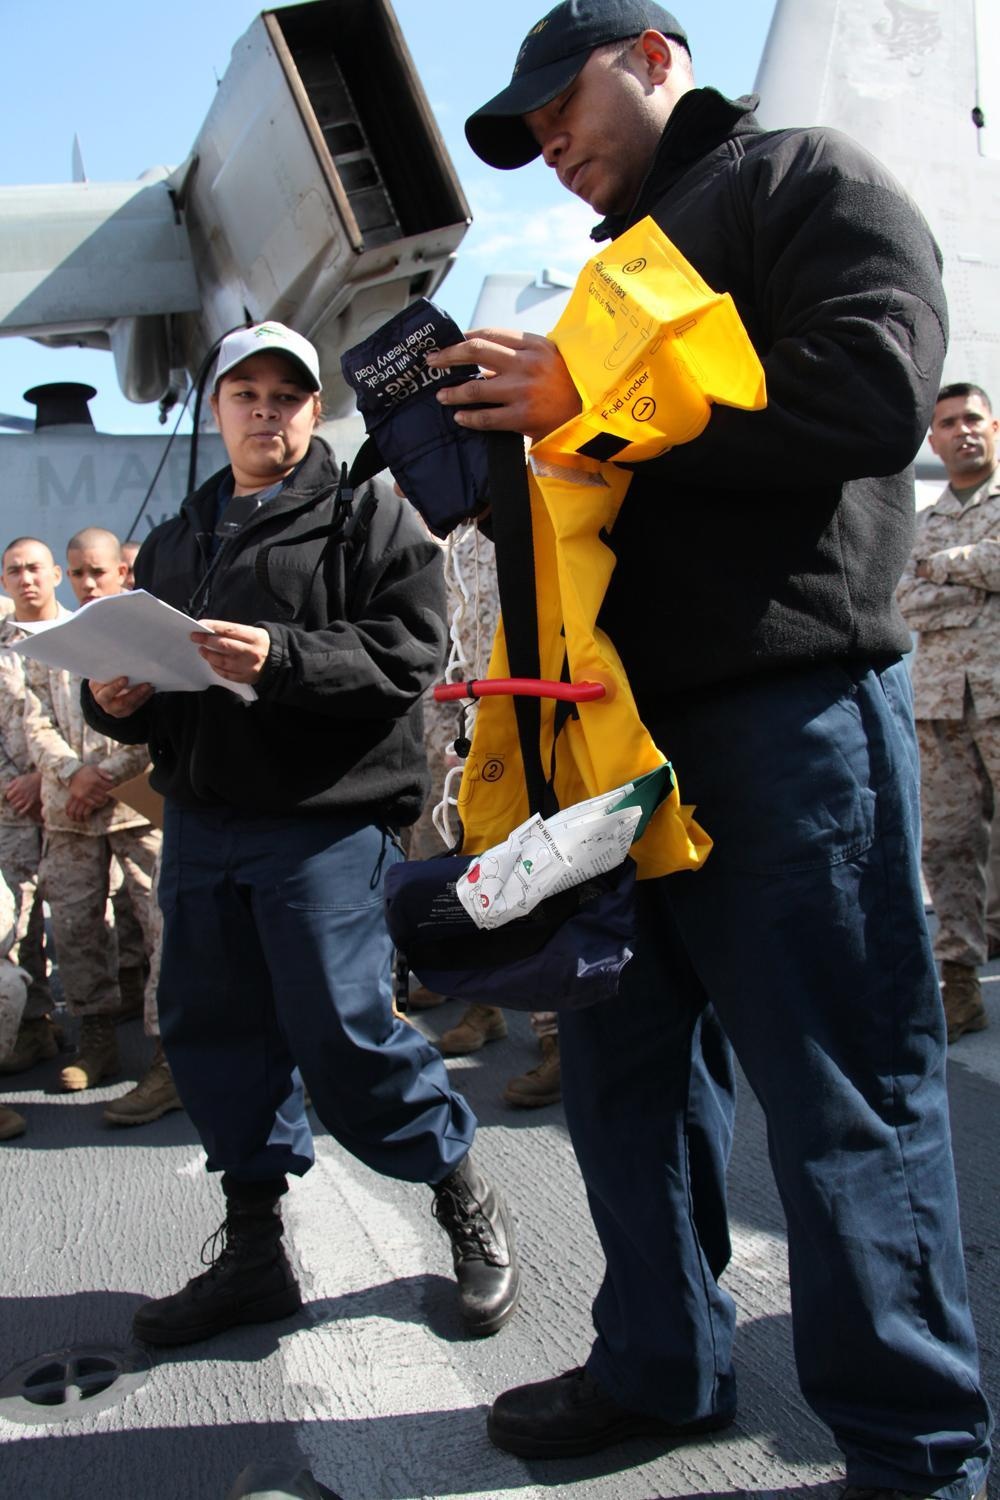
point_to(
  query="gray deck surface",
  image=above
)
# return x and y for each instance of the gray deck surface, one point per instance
(373, 1385)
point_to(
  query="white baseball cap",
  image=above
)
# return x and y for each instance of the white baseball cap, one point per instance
(263, 337)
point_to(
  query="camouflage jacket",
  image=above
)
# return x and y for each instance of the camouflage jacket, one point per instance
(15, 758)
(956, 611)
(60, 741)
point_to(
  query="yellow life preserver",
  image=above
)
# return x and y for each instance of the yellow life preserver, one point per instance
(650, 347)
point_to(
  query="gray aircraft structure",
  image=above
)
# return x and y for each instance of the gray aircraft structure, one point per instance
(918, 83)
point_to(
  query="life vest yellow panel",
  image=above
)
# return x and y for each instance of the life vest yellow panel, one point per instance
(650, 346)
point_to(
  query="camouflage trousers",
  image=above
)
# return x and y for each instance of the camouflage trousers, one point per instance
(132, 949)
(959, 778)
(131, 942)
(20, 853)
(75, 878)
(151, 1015)
(993, 885)
(13, 992)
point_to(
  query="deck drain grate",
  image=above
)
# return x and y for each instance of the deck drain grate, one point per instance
(68, 1385)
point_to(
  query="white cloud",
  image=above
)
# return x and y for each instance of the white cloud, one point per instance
(558, 235)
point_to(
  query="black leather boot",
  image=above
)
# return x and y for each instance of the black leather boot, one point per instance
(248, 1281)
(475, 1218)
(572, 1415)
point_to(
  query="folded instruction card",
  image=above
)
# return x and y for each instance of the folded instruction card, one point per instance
(129, 635)
(544, 856)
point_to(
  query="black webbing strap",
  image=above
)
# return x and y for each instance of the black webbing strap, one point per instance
(515, 553)
(368, 462)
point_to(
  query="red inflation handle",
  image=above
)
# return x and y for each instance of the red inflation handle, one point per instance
(520, 687)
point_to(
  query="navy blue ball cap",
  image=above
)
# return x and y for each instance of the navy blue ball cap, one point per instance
(551, 56)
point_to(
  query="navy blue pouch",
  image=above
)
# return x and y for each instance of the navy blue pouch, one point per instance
(566, 954)
(440, 467)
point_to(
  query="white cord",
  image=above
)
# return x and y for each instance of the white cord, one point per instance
(441, 816)
(466, 590)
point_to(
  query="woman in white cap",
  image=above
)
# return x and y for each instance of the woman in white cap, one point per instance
(279, 825)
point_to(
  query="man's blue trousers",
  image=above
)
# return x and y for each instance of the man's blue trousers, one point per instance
(802, 942)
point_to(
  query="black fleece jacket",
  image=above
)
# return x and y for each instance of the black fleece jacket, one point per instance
(776, 538)
(357, 636)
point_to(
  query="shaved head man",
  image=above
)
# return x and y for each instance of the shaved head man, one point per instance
(31, 576)
(94, 564)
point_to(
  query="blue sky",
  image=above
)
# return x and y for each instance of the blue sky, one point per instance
(134, 82)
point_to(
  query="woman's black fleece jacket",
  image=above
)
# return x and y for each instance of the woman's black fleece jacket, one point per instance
(357, 636)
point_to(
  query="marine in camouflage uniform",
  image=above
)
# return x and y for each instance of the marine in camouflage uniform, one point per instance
(20, 834)
(76, 859)
(950, 594)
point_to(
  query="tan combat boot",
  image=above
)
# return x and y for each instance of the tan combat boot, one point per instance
(963, 1001)
(541, 1085)
(37, 1040)
(480, 1024)
(11, 1123)
(96, 1055)
(154, 1095)
(421, 998)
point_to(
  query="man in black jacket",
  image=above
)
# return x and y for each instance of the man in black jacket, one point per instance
(279, 825)
(752, 604)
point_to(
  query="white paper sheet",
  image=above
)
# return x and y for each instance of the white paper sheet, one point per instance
(129, 635)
